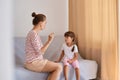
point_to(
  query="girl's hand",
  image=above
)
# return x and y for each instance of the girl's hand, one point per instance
(50, 37)
(56, 61)
(70, 61)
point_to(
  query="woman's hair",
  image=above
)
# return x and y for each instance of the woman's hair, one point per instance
(38, 18)
(72, 35)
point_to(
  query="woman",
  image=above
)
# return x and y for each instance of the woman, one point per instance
(35, 50)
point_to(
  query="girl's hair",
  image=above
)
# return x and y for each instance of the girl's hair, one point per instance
(72, 35)
(38, 18)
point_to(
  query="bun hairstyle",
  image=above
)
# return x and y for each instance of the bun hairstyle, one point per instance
(33, 14)
(38, 18)
(72, 35)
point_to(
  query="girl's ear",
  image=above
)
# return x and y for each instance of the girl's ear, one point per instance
(73, 40)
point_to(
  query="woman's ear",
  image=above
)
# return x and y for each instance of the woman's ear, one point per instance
(40, 24)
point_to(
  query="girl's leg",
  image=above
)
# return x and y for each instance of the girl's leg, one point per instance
(76, 67)
(66, 72)
(77, 71)
(54, 68)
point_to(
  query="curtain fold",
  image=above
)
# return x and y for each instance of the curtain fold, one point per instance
(95, 25)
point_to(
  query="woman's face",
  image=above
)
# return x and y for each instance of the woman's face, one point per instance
(43, 24)
(68, 40)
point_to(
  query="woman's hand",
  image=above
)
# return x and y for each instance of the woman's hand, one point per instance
(50, 37)
(45, 46)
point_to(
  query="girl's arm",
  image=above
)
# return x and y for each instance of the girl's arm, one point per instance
(61, 56)
(74, 58)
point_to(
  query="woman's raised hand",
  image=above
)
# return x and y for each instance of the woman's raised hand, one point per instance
(50, 37)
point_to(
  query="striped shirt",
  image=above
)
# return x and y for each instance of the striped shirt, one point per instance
(32, 47)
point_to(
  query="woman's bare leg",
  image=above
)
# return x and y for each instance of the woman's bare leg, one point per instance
(77, 73)
(54, 68)
(66, 72)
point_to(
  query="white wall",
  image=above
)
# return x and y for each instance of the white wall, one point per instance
(6, 46)
(55, 10)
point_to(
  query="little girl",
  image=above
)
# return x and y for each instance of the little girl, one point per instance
(70, 54)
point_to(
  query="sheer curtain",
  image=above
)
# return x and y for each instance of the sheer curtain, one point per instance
(95, 25)
(6, 40)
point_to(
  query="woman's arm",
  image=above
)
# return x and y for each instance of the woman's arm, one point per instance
(46, 45)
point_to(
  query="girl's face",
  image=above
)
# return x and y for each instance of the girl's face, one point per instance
(43, 24)
(68, 40)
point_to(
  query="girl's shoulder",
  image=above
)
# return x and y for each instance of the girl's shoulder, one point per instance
(75, 45)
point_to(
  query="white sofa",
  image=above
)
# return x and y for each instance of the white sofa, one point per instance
(88, 68)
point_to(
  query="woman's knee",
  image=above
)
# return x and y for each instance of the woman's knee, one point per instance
(59, 67)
